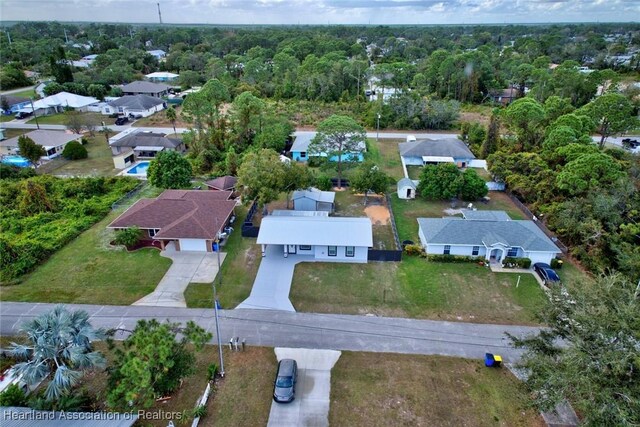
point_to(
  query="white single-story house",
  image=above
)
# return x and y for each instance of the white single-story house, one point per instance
(162, 76)
(406, 189)
(143, 105)
(53, 142)
(158, 53)
(145, 88)
(491, 235)
(313, 199)
(300, 150)
(190, 219)
(60, 101)
(335, 239)
(433, 151)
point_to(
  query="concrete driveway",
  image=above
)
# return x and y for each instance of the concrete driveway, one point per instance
(313, 389)
(271, 288)
(187, 267)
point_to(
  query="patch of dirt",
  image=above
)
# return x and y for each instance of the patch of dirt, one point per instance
(249, 256)
(379, 215)
(474, 118)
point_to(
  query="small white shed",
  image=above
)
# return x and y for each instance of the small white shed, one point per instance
(406, 189)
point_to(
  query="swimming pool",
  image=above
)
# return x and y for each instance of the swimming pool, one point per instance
(16, 161)
(139, 169)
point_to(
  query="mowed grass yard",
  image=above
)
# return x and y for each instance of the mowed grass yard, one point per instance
(98, 163)
(239, 270)
(89, 271)
(417, 288)
(61, 119)
(375, 389)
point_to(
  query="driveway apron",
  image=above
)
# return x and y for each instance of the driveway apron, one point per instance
(313, 389)
(271, 288)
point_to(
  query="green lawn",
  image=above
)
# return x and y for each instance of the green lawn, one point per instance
(417, 288)
(238, 271)
(385, 154)
(414, 172)
(89, 271)
(99, 162)
(60, 119)
(4, 118)
(406, 211)
(11, 133)
(27, 93)
(380, 389)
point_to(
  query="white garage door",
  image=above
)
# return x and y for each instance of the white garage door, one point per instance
(198, 245)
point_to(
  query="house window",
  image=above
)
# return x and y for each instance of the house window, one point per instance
(305, 247)
(512, 252)
(349, 251)
(303, 154)
(153, 231)
(447, 249)
(333, 251)
(475, 250)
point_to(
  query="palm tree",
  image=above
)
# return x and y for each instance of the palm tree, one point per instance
(59, 349)
(172, 116)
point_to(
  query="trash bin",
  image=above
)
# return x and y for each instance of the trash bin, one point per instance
(492, 360)
(215, 246)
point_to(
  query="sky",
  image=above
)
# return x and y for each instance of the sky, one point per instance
(323, 12)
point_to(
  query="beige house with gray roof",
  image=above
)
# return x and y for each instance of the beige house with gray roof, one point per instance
(53, 142)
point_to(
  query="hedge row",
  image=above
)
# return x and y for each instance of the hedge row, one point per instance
(510, 262)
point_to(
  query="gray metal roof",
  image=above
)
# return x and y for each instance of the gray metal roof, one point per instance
(315, 230)
(485, 215)
(145, 87)
(448, 147)
(12, 416)
(302, 142)
(458, 231)
(406, 182)
(278, 212)
(136, 102)
(314, 194)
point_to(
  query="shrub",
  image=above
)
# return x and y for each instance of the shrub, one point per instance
(128, 236)
(200, 411)
(74, 151)
(212, 370)
(454, 258)
(13, 396)
(413, 250)
(84, 141)
(323, 183)
(510, 262)
(556, 263)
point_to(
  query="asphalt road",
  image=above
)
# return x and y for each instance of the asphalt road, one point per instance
(304, 330)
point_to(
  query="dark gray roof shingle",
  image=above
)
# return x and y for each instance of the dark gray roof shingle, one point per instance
(136, 102)
(449, 147)
(145, 87)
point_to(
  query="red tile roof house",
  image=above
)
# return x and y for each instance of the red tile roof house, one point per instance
(187, 220)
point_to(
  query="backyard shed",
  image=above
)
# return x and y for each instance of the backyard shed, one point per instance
(406, 189)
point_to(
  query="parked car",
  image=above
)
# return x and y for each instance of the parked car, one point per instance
(135, 116)
(284, 387)
(121, 120)
(546, 273)
(23, 115)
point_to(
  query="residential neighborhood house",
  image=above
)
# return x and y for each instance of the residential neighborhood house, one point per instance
(300, 150)
(506, 96)
(334, 239)
(61, 101)
(145, 88)
(488, 234)
(137, 105)
(158, 54)
(53, 141)
(222, 183)
(184, 220)
(432, 151)
(12, 104)
(129, 146)
(162, 76)
(313, 199)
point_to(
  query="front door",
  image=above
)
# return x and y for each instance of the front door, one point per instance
(292, 249)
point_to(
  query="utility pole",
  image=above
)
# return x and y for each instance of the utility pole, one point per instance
(65, 35)
(378, 127)
(35, 116)
(9, 37)
(215, 303)
(159, 14)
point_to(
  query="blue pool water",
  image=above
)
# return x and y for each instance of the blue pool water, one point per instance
(139, 169)
(16, 161)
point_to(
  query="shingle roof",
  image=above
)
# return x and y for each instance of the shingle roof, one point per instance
(315, 194)
(315, 230)
(485, 215)
(12, 100)
(145, 87)
(46, 138)
(180, 214)
(406, 182)
(302, 142)
(457, 231)
(448, 147)
(144, 139)
(136, 102)
(222, 183)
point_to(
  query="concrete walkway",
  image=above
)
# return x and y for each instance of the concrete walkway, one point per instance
(498, 268)
(273, 328)
(313, 389)
(271, 288)
(187, 267)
